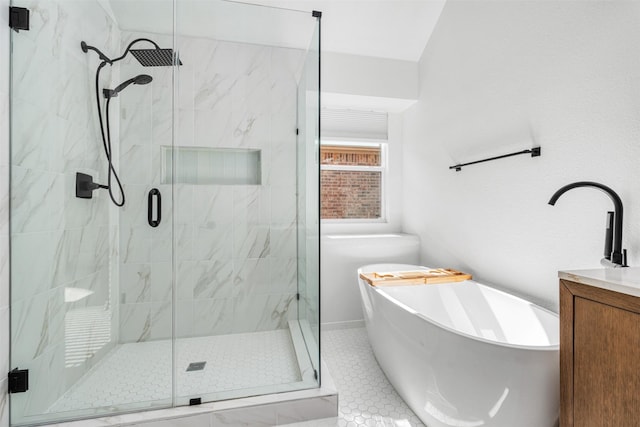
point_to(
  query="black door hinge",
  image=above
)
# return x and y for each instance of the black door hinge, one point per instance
(315, 374)
(298, 296)
(18, 380)
(18, 18)
(297, 131)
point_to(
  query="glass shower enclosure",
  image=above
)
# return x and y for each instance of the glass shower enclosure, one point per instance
(164, 205)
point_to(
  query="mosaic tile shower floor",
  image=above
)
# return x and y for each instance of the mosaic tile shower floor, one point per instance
(365, 396)
(139, 372)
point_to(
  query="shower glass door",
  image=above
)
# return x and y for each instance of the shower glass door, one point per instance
(237, 318)
(91, 282)
(308, 203)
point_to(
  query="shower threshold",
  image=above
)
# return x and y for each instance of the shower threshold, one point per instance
(235, 366)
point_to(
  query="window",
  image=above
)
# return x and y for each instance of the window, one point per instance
(352, 180)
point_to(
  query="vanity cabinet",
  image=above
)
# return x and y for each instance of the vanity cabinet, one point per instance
(599, 356)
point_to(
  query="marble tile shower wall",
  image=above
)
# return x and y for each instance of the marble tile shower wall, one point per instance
(59, 241)
(235, 245)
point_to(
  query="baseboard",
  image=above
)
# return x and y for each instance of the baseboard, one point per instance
(332, 326)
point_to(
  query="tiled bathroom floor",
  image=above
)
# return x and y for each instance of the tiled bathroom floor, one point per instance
(140, 372)
(365, 396)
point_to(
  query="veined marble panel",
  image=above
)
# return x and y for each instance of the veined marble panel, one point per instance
(184, 318)
(283, 275)
(212, 316)
(30, 328)
(4, 114)
(37, 136)
(4, 403)
(283, 241)
(251, 277)
(213, 279)
(134, 211)
(135, 283)
(135, 164)
(32, 263)
(281, 173)
(251, 241)
(252, 127)
(185, 280)
(162, 114)
(186, 128)
(252, 204)
(4, 341)
(213, 242)
(80, 252)
(135, 244)
(262, 312)
(37, 200)
(283, 205)
(214, 127)
(161, 281)
(56, 315)
(184, 203)
(4, 272)
(135, 322)
(213, 204)
(161, 317)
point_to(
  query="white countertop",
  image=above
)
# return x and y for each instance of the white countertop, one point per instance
(624, 280)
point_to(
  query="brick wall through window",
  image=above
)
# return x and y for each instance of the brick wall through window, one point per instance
(352, 190)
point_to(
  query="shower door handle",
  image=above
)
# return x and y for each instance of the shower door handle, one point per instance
(152, 193)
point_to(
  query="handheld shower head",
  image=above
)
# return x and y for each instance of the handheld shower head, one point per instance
(141, 79)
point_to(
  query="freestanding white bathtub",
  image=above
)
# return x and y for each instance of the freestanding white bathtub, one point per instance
(464, 354)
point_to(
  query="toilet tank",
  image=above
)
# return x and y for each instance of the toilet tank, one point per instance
(341, 256)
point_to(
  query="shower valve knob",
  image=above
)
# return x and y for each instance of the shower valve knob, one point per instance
(85, 186)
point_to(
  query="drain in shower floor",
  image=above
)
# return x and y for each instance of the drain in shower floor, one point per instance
(196, 366)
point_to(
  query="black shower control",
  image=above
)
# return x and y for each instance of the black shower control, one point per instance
(85, 186)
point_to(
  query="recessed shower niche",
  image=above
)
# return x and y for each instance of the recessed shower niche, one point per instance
(212, 166)
(201, 118)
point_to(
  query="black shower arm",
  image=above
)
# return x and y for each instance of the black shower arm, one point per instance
(85, 48)
(105, 59)
(126, 51)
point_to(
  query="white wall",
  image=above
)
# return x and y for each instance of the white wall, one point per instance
(375, 84)
(342, 256)
(498, 76)
(368, 76)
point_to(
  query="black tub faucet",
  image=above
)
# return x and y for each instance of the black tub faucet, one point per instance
(617, 256)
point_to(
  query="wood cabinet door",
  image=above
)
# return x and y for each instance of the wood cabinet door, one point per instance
(606, 365)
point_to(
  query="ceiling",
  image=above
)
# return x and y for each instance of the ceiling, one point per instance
(395, 29)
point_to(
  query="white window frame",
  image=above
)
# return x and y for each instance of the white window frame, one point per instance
(383, 169)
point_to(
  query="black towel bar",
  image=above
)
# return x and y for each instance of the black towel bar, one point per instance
(535, 152)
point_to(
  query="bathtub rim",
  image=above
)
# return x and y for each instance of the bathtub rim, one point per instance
(380, 290)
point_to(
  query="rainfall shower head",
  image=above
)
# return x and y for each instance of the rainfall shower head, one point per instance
(141, 79)
(156, 57)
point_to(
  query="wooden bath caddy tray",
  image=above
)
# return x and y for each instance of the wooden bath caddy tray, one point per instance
(418, 277)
